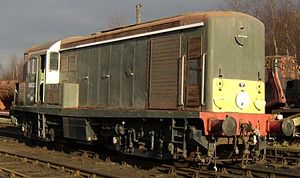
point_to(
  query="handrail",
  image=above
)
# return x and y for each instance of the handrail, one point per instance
(202, 79)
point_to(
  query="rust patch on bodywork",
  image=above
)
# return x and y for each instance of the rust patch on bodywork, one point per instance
(7, 89)
(176, 21)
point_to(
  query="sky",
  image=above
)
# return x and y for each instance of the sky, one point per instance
(24, 23)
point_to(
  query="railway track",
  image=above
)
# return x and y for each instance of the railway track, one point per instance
(17, 164)
(14, 164)
(233, 172)
(285, 156)
(45, 158)
(268, 169)
(283, 162)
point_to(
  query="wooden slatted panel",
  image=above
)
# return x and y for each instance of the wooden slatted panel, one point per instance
(194, 47)
(164, 72)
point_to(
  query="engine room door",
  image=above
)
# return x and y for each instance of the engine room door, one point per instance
(163, 89)
(83, 79)
(194, 68)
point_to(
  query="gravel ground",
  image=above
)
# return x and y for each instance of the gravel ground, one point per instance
(116, 169)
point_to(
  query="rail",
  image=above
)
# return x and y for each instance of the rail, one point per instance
(62, 167)
(226, 171)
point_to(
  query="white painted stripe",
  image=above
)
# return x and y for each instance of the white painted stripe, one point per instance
(138, 35)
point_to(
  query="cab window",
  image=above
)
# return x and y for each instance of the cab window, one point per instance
(53, 61)
(31, 66)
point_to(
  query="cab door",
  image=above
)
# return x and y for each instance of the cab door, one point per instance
(31, 81)
(41, 79)
(35, 80)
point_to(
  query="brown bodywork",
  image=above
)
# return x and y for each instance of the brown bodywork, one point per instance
(7, 89)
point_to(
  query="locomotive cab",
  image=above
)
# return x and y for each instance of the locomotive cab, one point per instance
(41, 69)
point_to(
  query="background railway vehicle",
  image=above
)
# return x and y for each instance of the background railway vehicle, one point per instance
(7, 90)
(187, 87)
(283, 94)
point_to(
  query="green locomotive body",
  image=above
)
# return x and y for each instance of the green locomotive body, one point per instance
(170, 88)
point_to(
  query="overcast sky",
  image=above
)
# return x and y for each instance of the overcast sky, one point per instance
(24, 23)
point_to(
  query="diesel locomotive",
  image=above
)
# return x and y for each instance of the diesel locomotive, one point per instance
(188, 87)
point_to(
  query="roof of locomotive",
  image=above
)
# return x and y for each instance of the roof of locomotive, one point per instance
(40, 47)
(158, 24)
(48, 44)
(133, 29)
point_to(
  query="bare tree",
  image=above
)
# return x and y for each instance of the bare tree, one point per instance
(12, 70)
(114, 21)
(281, 19)
(252, 7)
(272, 6)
